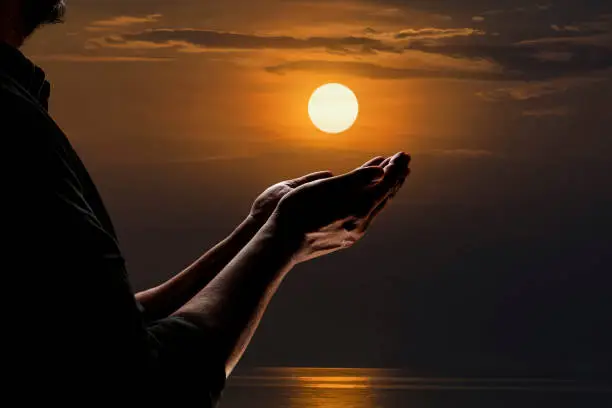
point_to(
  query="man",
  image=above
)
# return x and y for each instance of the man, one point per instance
(73, 329)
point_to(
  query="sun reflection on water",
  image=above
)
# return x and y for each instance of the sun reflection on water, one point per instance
(389, 388)
(333, 391)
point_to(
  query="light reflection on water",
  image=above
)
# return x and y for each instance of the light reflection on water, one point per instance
(329, 397)
(381, 388)
(304, 387)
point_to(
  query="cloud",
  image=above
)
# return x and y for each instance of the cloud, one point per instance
(442, 17)
(496, 7)
(534, 60)
(478, 19)
(375, 71)
(557, 56)
(492, 12)
(604, 41)
(538, 113)
(464, 153)
(600, 25)
(192, 40)
(565, 28)
(521, 92)
(97, 58)
(572, 50)
(388, 12)
(533, 90)
(437, 33)
(122, 21)
(530, 61)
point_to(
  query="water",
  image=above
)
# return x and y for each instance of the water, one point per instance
(380, 388)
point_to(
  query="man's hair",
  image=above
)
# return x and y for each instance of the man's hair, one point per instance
(35, 13)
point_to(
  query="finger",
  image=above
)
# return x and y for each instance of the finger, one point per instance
(362, 177)
(397, 164)
(400, 184)
(401, 159)
(401, 156)
(382, 203)
(374, 162)
(394, 173)
(320, 175)
(386, 162)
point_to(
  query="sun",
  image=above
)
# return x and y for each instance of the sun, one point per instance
(333, 108)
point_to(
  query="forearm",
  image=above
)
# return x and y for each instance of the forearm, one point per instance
(165, 299)
(233, 304)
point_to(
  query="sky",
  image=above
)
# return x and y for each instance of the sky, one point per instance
(495, 257)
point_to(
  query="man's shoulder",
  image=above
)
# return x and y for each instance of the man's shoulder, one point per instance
(22, 121)
(8, 87)
(14, 101)
(28, 149)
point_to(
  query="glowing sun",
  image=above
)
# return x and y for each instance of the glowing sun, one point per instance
(333, 108)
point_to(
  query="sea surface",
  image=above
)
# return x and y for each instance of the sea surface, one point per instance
(382, 388)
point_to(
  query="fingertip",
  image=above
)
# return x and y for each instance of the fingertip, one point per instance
(402, 158)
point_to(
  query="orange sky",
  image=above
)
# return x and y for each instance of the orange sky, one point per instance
(191, 86)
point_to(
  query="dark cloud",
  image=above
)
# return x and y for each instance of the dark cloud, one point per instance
(511, 19)
(437, 33)
(525, 62)
(547, 112)
(577, 9)
(122, 21)
(561, 54)
(375, 71)
(531, 90)
(535, 62)
(562, 50)
(565, 28)
(227, 40)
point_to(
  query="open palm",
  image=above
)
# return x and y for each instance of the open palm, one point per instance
(334, 213)
(266, 203)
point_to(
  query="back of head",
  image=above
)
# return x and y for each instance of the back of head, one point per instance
(35, 13)
(23, 17)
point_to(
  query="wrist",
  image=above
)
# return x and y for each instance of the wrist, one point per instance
(287, 239)
(244, 232)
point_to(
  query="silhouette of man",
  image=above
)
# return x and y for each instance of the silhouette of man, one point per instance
(73, 330)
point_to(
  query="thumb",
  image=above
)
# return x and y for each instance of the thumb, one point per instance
(310, 178)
